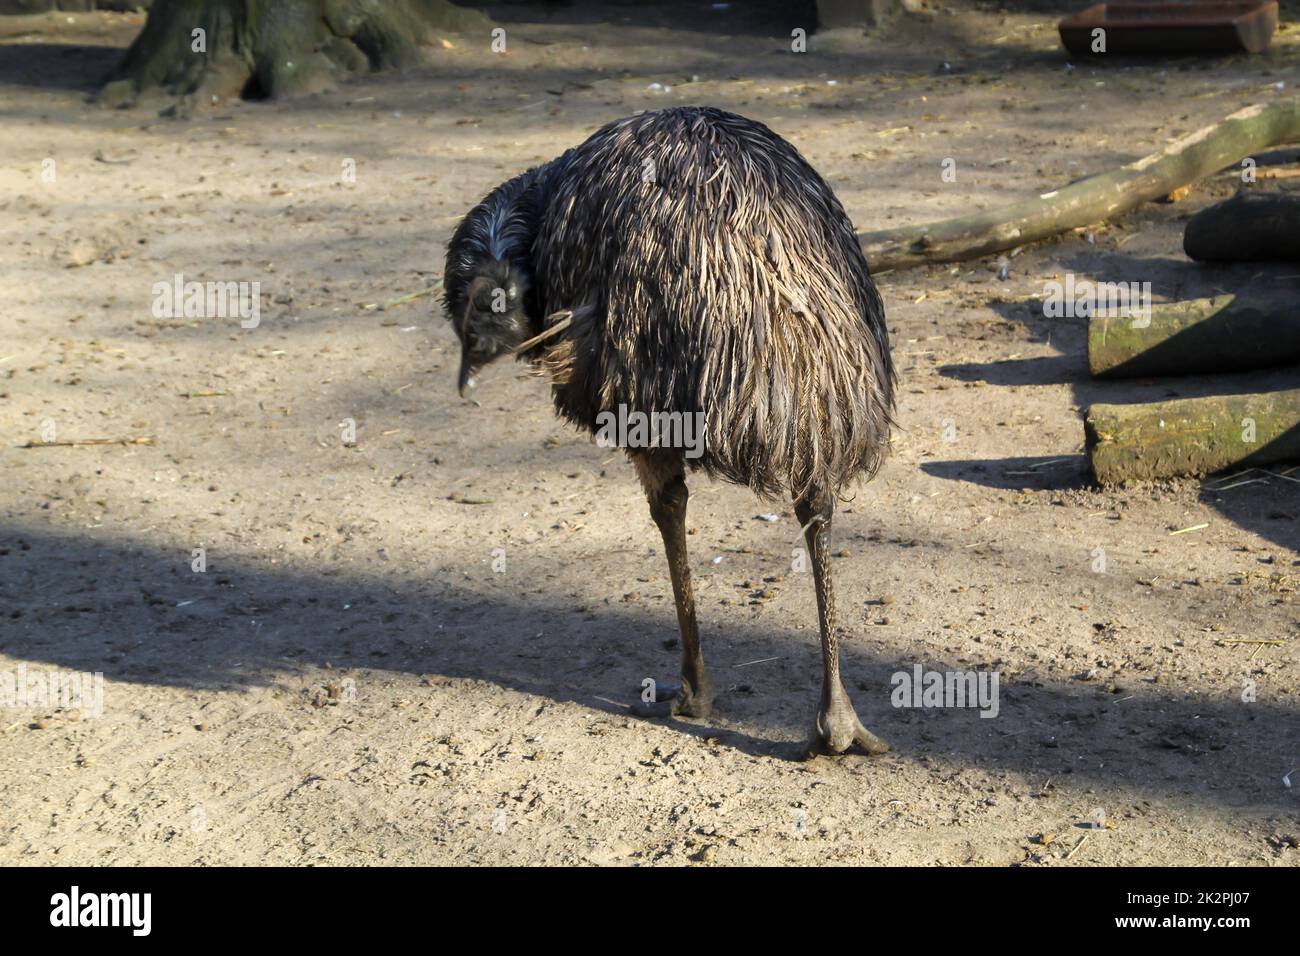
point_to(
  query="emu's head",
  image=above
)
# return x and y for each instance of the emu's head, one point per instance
(489, 317)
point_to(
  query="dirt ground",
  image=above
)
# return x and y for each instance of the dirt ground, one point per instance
(351, 681)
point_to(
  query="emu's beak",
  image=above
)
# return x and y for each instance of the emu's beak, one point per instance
(466, 382)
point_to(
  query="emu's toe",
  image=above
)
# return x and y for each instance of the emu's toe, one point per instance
(836, 729)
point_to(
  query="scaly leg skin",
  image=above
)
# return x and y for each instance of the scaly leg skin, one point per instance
(836, 727)
(664, 479)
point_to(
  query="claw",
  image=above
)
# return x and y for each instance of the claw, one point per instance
(869, 743)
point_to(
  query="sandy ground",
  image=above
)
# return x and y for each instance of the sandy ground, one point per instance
(351, 681)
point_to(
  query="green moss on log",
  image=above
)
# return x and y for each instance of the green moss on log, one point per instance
(1194, 436)
(1220, 334)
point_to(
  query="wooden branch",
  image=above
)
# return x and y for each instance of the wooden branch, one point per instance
(77, 442)
(1192, 436)
(1225, 333)
(411, 297)
(1092, 200)
(1249, 227)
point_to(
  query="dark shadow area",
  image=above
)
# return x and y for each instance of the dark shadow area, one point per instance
(1059, 8)
(1039, 370)
(1014, 474)
(1175, 277)
(1260, 498)
(755, 17)
(140, 615)
(1274, 455)
(60, 66)
(1071, 369)
(1282, 156)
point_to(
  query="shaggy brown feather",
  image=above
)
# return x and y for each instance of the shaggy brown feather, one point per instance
(720, 275)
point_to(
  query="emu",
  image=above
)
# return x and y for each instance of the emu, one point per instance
(689, 260)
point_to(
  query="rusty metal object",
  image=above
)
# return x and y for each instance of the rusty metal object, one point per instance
(1237, 26)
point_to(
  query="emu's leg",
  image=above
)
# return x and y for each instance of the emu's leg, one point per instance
(663, 476)
(837, 725)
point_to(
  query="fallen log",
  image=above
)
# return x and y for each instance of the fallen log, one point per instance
(1192, 436)
(1249, 227)
(1091, 200)
(1224, 333)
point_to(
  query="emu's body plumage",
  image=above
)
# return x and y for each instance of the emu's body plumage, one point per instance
(706, 270)
(722, 276)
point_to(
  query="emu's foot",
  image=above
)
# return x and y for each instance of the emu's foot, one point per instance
(676, 700)
(837, 728)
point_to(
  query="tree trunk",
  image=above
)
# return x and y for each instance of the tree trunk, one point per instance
(1225, 333)
(1090, 200)
(1192, 436)
(1250, 227)
(257, 48)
